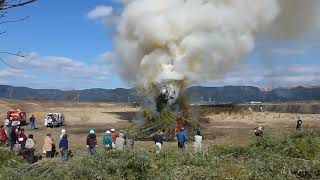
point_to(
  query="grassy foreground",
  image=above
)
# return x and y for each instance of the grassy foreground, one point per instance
(295, 156)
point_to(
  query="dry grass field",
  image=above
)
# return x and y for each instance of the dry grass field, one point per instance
(218, 128)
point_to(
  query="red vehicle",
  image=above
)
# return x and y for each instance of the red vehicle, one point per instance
(17, 116)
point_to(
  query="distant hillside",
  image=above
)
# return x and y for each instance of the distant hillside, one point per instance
(234, 94)
(88, 95)
(239, 94)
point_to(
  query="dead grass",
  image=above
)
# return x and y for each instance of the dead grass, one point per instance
(218, 127)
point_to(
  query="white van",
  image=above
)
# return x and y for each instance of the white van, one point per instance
(54, 120)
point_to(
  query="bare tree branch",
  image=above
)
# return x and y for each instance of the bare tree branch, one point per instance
(12, 54)
(5, 6)
(13, 21)
(4, 62)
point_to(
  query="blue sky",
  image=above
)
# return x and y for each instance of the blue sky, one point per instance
(69, 50)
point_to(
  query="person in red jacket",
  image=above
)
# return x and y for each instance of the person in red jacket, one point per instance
(3, 136)
(113, 135)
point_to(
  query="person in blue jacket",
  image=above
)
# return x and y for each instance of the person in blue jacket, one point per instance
(107, 140)
(64, 146)
(182, 139)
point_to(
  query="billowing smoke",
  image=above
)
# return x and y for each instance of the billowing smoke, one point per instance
(175, 41)
(295, 20)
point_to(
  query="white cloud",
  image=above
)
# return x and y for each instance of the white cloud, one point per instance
(55, 71)
(277, 76)
(8, 73)
(61, 65)
(100, 12)
(106, 57)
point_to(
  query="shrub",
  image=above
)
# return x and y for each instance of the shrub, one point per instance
(290, 157)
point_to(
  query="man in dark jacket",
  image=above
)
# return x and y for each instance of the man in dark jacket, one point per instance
(64, 146)
(32, 122)
(158, 140)
(13, 137)
(92, 142)
(182, 139)
(299, 123)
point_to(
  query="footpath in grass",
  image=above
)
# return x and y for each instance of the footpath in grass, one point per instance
(295, 156)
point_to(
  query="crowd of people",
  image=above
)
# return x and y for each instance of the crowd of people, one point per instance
(14, 137)
(111, 140)
(181, 138)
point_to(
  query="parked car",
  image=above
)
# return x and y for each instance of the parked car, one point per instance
(54, 120)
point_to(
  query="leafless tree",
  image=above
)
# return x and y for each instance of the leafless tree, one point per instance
(5, 6)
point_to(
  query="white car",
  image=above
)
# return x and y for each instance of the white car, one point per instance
(54, 120)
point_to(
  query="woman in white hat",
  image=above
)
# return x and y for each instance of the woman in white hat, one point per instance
(63, 132)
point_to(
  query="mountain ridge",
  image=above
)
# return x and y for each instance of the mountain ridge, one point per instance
(234, 94)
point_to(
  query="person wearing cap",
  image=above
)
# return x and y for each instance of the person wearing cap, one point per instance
(63, 132)
(64, 146)
(92, 142)
(48, 146)
(182, 139)
(120, 142)
(107, 140)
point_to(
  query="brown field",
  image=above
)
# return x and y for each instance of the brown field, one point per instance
(218, 127)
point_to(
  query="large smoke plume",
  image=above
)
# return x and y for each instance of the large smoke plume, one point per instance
(175, 41)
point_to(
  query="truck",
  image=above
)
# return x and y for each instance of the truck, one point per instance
(17, 117)
(54, 120)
